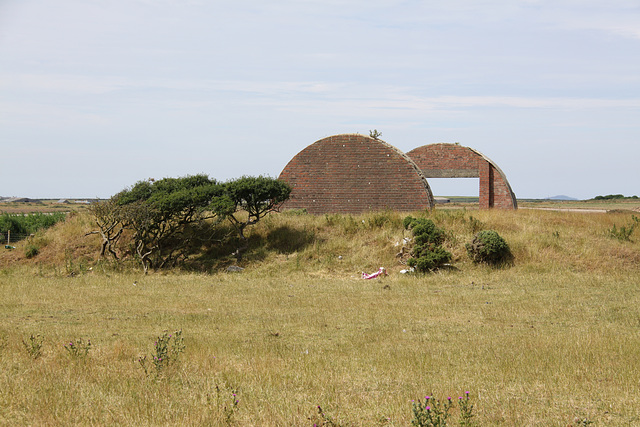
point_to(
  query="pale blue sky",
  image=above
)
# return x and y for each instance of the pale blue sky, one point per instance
(96, 95)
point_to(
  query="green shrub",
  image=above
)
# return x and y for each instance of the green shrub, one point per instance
(428, 233)
(624, 233)
(427, 254)
(489, 247)
(429, 259)
(406, 223)
(29, 223)
(31, 250)
(424, 230)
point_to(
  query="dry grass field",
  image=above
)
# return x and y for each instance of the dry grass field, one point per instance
(41, 206)
(552, 340)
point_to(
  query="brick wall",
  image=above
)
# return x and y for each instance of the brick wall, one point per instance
(353, 173)
(456, 161)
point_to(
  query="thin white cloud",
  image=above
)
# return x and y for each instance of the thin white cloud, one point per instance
(531, 102)
(295, 94)
(61, 83)
(617, 17)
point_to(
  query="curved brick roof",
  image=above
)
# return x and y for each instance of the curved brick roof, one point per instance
(456, 161)
(352, 173)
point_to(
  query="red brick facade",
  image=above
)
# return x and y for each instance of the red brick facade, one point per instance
(353, 173)
(456, 161)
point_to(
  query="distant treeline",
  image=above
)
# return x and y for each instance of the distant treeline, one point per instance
(21, 224)
(614, 197)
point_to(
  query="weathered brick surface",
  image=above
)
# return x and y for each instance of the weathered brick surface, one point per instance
(353, 173)
(456, 161)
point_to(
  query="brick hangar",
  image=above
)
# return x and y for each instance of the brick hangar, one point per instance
(353, 173)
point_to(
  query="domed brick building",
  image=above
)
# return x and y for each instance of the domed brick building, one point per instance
(353, 173)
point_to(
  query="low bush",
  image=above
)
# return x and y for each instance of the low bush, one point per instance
(624, 233)
(427, 254)
(25, 224)
(428, 258)
(489, 247)
(31, 250)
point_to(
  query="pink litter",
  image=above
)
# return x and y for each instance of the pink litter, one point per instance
(380, 272)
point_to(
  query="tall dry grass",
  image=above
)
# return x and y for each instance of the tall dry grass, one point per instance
(549, 340)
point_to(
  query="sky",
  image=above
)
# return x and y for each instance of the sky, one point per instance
(96, 95)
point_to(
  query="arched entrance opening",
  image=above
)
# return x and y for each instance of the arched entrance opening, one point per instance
(455, 161)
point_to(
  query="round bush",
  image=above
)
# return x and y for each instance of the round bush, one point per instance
(428, 233)
(31, 250)
(489, 247)
(429, 260)
(427, 254)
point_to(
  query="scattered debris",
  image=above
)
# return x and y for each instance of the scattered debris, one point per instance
(405, 241)
(234, 269)
(381, 272)
(407, 270)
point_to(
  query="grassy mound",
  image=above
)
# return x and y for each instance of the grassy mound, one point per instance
(344, 244)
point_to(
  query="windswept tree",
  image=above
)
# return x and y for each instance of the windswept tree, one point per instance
(169, 218)
(163, 215)
(107, 216)
(252, 199)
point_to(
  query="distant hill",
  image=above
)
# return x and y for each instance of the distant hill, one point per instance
(561, 197)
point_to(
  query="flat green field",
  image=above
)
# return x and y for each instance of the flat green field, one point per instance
(552, 340)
